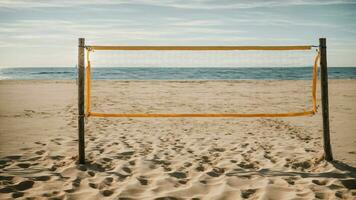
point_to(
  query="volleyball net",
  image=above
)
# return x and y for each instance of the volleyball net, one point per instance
(231, 57)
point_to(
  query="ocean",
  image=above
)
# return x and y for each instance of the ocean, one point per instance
(137, 73)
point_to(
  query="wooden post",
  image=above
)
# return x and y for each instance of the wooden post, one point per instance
(325, 99)
(81, 48)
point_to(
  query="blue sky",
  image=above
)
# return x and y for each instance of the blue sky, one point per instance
(44, 33)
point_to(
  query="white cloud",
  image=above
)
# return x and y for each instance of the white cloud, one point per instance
(187, 22)
(270, 21)
(243, 4)
(24, 32)
(187, 4)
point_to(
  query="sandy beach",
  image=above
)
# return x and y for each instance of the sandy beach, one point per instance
(175, 158)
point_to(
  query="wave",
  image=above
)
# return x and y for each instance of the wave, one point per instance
(53, 72)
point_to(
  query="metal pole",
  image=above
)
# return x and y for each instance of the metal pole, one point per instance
(325, 99)
(81, 48)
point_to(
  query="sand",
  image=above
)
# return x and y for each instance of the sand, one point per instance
(176, 158)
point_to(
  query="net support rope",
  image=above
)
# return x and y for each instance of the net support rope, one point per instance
(88, 112)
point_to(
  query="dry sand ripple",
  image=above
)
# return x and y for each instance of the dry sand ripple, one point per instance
(174, 159)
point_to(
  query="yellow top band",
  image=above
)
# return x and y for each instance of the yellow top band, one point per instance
(199, 48)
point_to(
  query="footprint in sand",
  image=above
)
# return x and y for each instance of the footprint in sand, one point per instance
(125, 155)
(303, 165)
(187, 164)
(218, 149)
(41, 178)
(121, 177)
(247, 193)
(91, 173)
(244, 145)
(200, 168)
(107, 193)
(93, 185)
(76, 182)
(335, 187)
(132, 162)
(320, 182)
(143, 180)
(24, 185)
(269, 157)
(108, 180)
(50, 194)
(56, 157)
(178, 175)
(247, 165)
(107, 159)
(24, 165)
(127, 170)
(40, 143)
(183, 181)
(40, 152)
(291, 180)
(17, 195)
(309, 150)
(205, 159)
(70, 190)
(216, 172)
(97, 167)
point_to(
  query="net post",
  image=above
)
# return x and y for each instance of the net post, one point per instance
(325, 99)
(81, 65)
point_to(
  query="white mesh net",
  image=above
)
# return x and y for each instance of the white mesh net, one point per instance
(201, 81)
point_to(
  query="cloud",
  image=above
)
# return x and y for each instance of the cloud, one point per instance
(185, 4)
(269, 21)
(194, 23)
(50, 3)
(128, 30)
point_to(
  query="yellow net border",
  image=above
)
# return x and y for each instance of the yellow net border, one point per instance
(88, 112)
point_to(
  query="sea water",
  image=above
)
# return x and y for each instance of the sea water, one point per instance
(171, 73)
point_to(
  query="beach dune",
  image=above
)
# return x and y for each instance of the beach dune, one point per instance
(175, 158)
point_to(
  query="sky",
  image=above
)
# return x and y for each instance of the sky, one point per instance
(39, 33)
